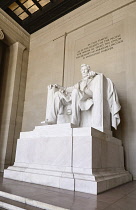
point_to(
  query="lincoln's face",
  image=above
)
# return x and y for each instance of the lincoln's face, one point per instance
(84, 71)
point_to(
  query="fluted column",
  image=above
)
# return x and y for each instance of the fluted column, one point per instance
(10, 103)
(1, 46)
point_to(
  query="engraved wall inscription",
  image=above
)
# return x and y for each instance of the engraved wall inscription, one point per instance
(99, 46)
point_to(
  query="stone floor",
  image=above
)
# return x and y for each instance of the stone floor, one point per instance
(119, 198)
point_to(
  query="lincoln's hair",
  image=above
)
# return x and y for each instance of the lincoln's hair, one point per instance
(87, 66)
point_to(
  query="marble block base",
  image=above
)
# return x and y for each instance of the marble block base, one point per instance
(78, 159)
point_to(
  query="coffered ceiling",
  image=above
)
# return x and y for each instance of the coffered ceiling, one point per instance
(32, 15)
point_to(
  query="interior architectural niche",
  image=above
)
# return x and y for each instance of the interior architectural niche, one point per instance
(1, 34)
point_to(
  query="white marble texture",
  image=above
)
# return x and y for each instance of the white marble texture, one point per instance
(48, 131)
(82, 159)
(92, 102)
(50, 151)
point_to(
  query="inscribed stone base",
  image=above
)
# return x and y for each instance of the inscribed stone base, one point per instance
(78, 159)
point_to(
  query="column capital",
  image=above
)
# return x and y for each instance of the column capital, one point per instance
(1, 34)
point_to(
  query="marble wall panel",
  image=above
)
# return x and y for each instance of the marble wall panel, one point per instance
(45, 67)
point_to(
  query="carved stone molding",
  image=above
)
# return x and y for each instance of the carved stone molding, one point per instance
(12, 26)
(1, 34)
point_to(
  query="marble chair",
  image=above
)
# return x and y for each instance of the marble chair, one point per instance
(98, 116)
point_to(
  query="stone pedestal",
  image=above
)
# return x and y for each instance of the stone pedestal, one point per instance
(80, 159)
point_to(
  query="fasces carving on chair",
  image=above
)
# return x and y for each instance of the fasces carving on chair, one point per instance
(87, 98)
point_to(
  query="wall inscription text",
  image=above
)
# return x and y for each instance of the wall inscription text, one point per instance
(101, 45)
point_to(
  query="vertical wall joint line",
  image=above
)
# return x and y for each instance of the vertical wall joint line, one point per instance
(65, 35)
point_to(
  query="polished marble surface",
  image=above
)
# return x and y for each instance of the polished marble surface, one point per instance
(119, 198)
(17, 204)
(65, 157)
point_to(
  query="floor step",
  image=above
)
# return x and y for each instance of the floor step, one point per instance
(15, 202)
(14, 205)
(9, 206)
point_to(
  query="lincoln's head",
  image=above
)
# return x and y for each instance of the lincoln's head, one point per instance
(86, 71)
